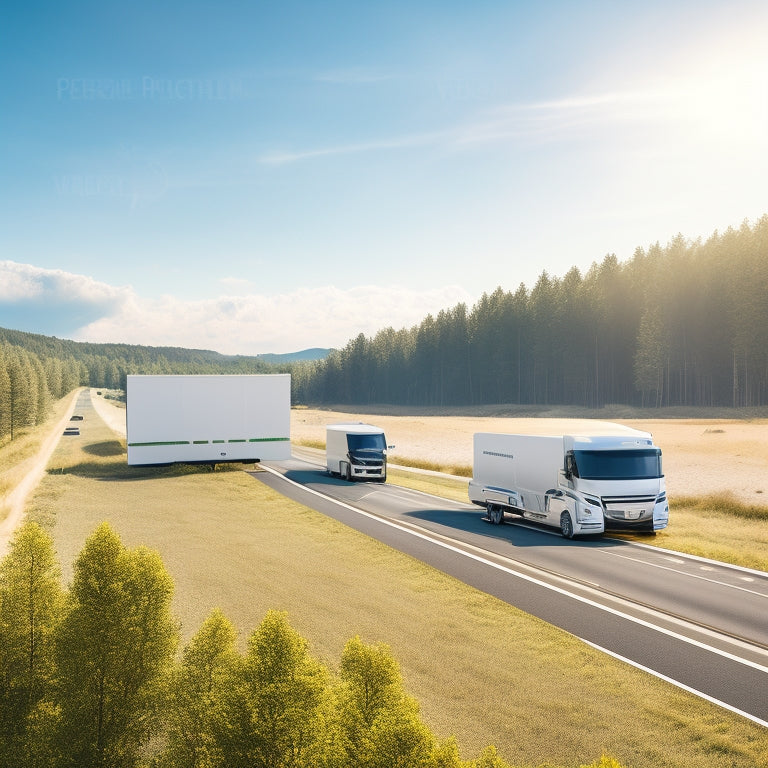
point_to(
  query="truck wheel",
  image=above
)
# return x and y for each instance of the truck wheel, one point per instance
(566, 526)
(495, 514)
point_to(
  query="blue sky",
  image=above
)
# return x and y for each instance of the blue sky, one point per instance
(253, 177)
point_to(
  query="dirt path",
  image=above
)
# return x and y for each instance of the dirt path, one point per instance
(17, 498)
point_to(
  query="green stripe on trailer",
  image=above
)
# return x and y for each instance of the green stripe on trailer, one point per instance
(208, 442)
(152, 445)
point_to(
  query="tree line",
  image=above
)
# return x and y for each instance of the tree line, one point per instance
(90, 676)
(685, 324)
(35, 370)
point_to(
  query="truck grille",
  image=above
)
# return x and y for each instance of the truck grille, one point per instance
(628, 508)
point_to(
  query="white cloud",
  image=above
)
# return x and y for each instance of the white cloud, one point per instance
(59, 303)
(253, 324)
(22, 282)
(51, 301)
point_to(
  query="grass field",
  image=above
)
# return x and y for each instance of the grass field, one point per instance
(480, 668)
(17, 456)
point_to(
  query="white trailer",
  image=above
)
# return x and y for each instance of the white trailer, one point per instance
(208, 419)
(604, 477)
(356, 451)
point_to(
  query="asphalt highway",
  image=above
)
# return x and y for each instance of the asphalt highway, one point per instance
(698, 624)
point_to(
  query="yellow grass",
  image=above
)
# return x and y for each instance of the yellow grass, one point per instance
(716, 469)
(702, 456)
(714, 534)
(17, 455)
(480, 668)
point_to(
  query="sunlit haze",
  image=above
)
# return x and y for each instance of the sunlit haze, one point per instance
(251, 178)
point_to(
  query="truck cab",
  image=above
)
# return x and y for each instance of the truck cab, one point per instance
(356, 451)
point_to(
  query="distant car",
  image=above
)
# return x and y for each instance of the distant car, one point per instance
(72, 431)
(76, 417)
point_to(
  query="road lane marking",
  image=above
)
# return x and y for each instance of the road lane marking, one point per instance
(431, 538)
(686, 573)
(685, 556)
(677, 684)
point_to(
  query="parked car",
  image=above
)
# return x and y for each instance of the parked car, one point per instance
(76, 417)
(72, 431)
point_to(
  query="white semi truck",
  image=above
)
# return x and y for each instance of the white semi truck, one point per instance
(356, 451)
(208, 419)
(602, 477)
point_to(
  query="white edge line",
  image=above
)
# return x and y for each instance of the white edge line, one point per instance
(659, 675)
(651, 547)
(677, 684)
(686, 573)
(531, 579)
(719, 563)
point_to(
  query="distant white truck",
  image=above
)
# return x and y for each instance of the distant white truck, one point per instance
(356, 451)
(603, 477)
(208, 419)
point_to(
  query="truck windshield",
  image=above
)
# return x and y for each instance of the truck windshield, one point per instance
(618, 465)
(366, 443)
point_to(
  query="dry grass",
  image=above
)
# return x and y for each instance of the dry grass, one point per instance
(716, 468)
(318, 444)
(716, 535)
(460, 470)
(18, 455)
(725, 504)
(703, 454)
(480, 668)
(444, 487)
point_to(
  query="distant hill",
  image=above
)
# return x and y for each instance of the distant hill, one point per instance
(46, 346)
(316, 353)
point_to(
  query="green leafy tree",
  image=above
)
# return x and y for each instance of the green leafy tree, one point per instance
(198, 687)
(31, 604)
(379, 722)
(275, 717)
(113, 649)
(604, 762)
(446, 755)
(489, 758)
